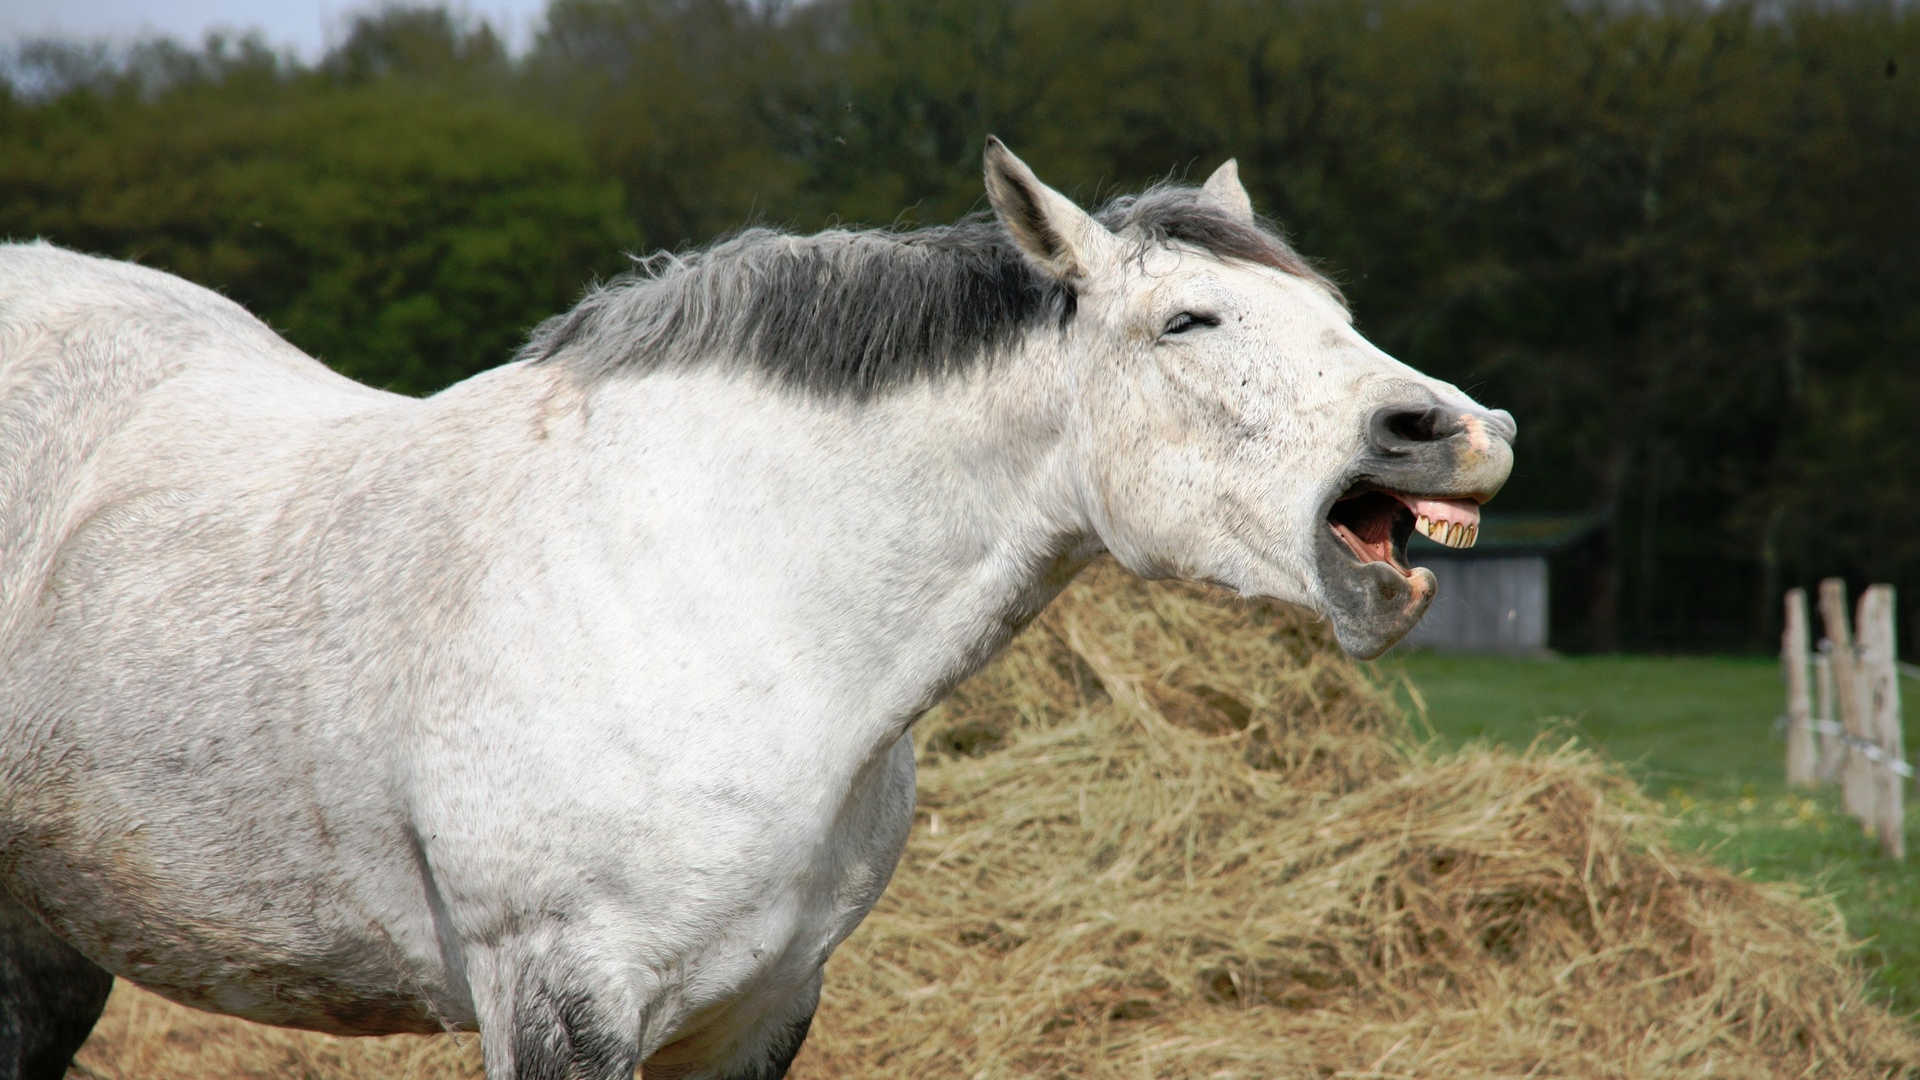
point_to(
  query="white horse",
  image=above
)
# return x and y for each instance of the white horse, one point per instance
(572, 703)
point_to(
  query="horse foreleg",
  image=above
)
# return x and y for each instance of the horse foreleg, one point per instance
(764, 1051)
(554, 1020)
(50, 996)
(551, 1021)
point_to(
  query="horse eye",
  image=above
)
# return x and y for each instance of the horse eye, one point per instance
(1188, 320)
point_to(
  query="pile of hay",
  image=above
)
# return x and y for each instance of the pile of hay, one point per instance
(1165, 835)
(1169, 836)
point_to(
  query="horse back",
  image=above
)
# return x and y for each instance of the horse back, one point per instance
(160, 519)
(97, 356)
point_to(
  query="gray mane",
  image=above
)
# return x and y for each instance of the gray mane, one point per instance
(849, 314)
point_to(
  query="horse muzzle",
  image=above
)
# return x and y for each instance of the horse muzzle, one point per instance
(1426, 466)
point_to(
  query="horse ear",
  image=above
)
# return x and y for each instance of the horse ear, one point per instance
(1224, 191)
(1064, 240)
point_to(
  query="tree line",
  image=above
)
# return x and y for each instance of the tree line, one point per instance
(1678, 238)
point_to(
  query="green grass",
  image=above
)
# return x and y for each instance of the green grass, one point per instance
(1698, 734)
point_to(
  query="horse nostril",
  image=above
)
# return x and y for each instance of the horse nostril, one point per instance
(1504, 426)
(1399, 425)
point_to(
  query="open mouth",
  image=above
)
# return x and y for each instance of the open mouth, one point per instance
(1364, 584)
(1374, 525)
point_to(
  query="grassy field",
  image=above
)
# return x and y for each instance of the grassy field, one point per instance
(1697, 732)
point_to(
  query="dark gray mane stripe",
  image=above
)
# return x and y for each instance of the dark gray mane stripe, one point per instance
(851, 314)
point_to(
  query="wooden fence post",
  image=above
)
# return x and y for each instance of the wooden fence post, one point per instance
(1832, 748)
(1833, 751)
(1856, 776)
(1880, 683)
(1801, 763)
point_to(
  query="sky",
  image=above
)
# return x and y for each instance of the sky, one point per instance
(307, 27)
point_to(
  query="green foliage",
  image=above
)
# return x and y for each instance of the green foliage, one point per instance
(1676, 239)
(409, 234)
(417, 44)
(675, 98)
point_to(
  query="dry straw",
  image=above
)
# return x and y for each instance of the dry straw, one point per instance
(1169, 836)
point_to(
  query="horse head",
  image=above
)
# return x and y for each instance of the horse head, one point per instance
(1231, 424)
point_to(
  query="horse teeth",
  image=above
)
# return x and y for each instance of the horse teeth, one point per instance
(1455, 534)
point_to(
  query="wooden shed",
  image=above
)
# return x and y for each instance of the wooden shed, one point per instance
(1497, 596)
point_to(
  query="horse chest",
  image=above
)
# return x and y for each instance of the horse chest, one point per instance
(797, 873)
(774, 952)
(695, 845)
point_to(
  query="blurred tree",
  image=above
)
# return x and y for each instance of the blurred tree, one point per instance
(676, 98)
(1602, 215)
(909, 93)
(419, 43)
(1573, 260)
(409, 235)
(1844, 497)
(1677, 237)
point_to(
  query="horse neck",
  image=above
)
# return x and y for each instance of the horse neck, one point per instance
(879, 550)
